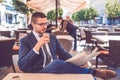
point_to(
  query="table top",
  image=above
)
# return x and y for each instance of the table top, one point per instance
(106, 38)
(2, 38)
(65, 37)
(40, 76)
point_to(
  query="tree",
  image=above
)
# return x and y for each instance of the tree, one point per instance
(1, 1)
(22, 8)
(85, 14)
(112, 9)
(51, 15)
(90, 13)
(81, 14)
(74, 18)
(60, 12)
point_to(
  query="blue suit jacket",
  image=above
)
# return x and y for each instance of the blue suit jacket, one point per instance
(29, 61)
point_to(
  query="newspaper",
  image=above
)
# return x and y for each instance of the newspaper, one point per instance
(83, 57)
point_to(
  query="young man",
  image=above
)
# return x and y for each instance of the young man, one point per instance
(42, 53)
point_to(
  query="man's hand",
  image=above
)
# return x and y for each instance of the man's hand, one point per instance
(43, 40)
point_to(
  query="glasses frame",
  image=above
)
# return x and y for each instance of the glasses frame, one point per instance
(42, 24)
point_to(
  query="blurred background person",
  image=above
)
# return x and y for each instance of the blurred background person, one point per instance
(69, 20)
(50, 27)
(70, 28)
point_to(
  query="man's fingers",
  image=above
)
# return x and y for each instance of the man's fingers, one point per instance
(95, 50)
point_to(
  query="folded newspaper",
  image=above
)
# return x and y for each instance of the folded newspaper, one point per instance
(83, 57)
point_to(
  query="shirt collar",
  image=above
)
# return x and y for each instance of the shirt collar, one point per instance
(36, 35)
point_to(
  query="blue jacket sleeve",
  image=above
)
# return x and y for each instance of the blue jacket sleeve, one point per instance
(27, 56)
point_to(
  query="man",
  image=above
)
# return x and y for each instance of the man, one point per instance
(69, 20)
(70, 28)
(34, 50)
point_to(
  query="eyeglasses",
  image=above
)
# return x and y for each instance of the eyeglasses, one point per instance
(42, 24)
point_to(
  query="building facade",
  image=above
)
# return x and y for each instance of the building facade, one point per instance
(99, 5)
(9, 18)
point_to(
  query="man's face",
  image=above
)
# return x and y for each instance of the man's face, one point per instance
(59, 20)
(40, 25)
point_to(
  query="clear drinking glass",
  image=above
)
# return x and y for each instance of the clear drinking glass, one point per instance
(47, 35)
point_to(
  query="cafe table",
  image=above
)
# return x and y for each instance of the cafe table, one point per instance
(43, 76)
(65, 37)
(106, 38)
(2, 38)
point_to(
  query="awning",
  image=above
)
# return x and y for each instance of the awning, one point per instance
(47, 5)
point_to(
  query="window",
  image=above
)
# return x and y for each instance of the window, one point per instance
(9, 8)
(9, 18)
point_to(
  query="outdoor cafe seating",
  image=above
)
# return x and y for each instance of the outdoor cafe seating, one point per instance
(5, 33)
(114, 53)
(110, 41)
(6, 50)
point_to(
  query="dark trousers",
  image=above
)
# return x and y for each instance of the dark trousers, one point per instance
(60, 66)
(73, 34)
(106, 59)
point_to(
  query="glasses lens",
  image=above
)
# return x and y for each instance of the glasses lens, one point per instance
(42, 24)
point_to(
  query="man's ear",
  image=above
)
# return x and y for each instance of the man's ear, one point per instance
(32, 23)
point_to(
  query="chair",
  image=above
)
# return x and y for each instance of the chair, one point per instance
(16, 46)
(22, 35)
(17, 33)
(59, 33)
(81, 35)
(5, 33)
(90, 39)
(114, 54)
(67, 44)
(6, 53)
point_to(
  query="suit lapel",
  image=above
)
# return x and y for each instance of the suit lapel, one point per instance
(50, 44)
(32, 39)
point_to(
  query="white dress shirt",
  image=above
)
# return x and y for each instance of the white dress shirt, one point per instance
(47, 46)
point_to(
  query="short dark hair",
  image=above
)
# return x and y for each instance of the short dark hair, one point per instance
(37, 15)
(60, 18)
